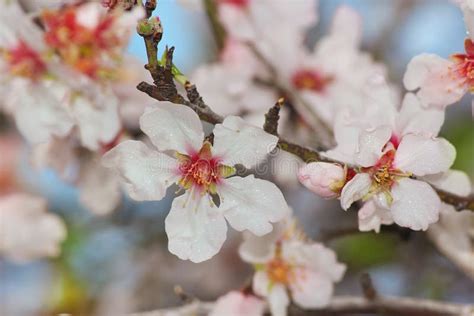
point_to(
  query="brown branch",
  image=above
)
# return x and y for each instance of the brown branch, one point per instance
(370, 293)
(216, 26)
(164, 89)
(347, 305)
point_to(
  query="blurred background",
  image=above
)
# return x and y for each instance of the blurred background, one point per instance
(119, 263)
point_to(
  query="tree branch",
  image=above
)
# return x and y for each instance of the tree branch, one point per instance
(346, 305)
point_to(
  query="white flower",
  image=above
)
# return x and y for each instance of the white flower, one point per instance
(254, 20)
(196, 226)
(324, 179)
(28, 231)
(289, 266)
(441, 82)
(467, 7)
(387, 156)
(238, 304)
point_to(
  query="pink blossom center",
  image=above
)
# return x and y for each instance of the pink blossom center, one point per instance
(81, 47)
(308, 79)
(201, 170)
(383, 172)
(279, 271)
(465, 64)
(241, 4)
(24, 61)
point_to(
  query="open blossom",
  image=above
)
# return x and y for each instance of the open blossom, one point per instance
(331, 76)
(196, 226)
(288, 265)
(324, 179)
(388, 154)
(441, 82)
(28, 231)
(238, 304)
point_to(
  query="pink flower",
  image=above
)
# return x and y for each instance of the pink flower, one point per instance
(441, 82)
(324, 179)
(288, 265)
(238, 304)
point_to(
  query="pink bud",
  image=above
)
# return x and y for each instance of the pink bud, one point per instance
(324, 179)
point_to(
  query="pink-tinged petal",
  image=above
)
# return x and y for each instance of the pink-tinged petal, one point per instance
(314, 257)
(415, 204)
(278, 300)
(237, 142)
(371, 217)
(251, 204)
(97, 124)
(453, 181)
(422, 155)
(196, 229)
(371, 144)
(324, 179)
(439, 85)
(416, 119)
(145, 173)
(99, 188)
(89, 14)
(311, 289)
(172, 127)
(355, 189)
(230, 16)
(467, 7)
(28, 231)
(238, 304)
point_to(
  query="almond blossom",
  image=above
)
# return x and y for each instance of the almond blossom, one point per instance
(441, 82)
(196, 225)
(387, 155)
(288, 265)
(28, 231)
(238, 304)
(324, 179)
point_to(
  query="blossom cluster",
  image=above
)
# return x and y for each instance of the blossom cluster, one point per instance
(69, 85)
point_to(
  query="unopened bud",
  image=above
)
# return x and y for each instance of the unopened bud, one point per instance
(322, 178)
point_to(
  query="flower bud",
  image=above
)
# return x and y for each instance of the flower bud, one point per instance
(324, 179)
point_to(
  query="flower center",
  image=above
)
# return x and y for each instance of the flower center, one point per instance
(83, 48)
(201, 170)
(465, 64)
(279, 271)
(237, 3)
(24, 61)
(308, 79)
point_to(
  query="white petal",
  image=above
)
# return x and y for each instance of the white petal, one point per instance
(89, 14)
(314, 257)
(99, 188)
(196, 229)
(173, 127)
(278, 300)
(422, 155)
(311, 289)
(237, 142)
(38, 114)
(371, 217)
(97, 124)
(468, 10)
(256, 249)
(261, 283)
(413, 118)
(439, 85)
(415, 204)
(28, 231)
(251, 204)
(453, 181)
(371, 143)
(355, 189)
(146, 173)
